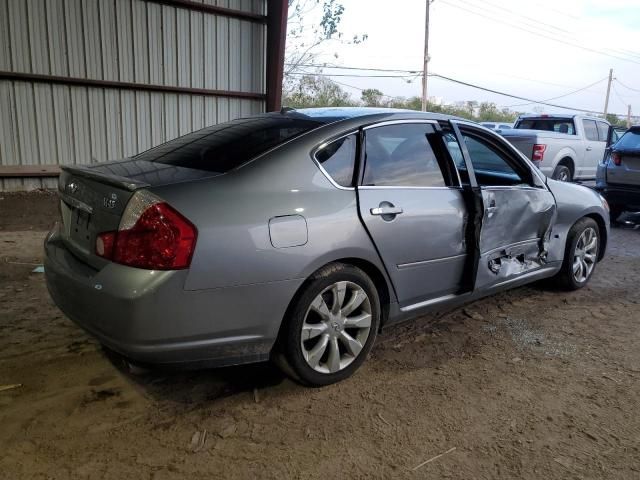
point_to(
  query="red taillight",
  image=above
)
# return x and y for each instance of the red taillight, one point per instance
(160, 239)
(617, 158)
(104, 244)
(538, 152)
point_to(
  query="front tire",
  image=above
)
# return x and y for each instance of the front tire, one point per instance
(581, 255)
(562, 173)
(331, 327)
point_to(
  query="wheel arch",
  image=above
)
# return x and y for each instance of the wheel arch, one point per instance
(378, 278)
(602, 228)
(568, 162)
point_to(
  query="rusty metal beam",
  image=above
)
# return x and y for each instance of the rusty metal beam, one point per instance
(87, 82)
(29, 171)
(276, 38)
(203, 7)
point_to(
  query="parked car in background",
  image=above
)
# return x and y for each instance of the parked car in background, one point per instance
(297, 235)
(497, 125)
(618, 177)
(563, 147)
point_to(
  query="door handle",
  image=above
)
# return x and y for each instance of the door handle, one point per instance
(589, 149)
(386, 211)
(492, 209)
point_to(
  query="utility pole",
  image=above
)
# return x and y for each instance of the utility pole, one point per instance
(629, 116)
(606, 100)
(426, 58)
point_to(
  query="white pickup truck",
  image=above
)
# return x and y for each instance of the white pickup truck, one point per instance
(564, 147)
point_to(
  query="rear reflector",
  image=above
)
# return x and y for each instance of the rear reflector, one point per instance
(152, 235)
(538, 152)
(617, 158)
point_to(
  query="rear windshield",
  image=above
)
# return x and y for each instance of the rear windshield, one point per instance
(558, 125)
(629, 141)
(226, 146)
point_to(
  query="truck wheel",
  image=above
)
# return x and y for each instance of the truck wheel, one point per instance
(562, 173)
(331, 327)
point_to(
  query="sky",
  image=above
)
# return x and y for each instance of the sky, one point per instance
(538, 49)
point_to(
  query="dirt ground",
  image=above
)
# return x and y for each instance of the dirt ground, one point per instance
(527, 384)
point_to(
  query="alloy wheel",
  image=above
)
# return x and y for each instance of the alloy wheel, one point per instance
(585, 255)
(336, 327)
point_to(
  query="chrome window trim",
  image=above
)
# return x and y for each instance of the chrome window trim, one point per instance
(512, 187)
(399, 122)
(324, 144)
(534, 170)
(405, 187)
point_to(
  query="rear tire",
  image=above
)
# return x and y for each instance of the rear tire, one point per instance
(562, 173)
(580, 256)
(331, 327)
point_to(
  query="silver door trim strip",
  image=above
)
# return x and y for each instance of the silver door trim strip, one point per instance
(511, 245)
(427, 303)
(524, 276)
(402, 266)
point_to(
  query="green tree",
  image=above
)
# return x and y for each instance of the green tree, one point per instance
(371, 97)
(311, 26)
(315, 91)
(616, 120)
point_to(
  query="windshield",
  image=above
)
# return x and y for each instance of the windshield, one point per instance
(629, 141)
(558, 125)
(226, 146)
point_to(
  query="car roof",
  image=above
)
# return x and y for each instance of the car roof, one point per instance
(335, 114)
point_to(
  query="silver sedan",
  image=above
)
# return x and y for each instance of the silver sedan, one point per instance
(298, 235)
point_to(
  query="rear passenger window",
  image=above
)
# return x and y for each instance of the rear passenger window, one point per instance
(338, 159)
(401, 155)
(590, 130)
(603, 131)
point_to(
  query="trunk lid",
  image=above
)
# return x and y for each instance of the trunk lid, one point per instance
(93, 199)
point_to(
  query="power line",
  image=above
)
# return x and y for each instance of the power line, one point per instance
(311, 65)
(615, 92)
(564, 107)
(575, 45)
(553, 29)
(460, 82)
(627, 87)
(418, 72)
(562, 96)
(354, 75)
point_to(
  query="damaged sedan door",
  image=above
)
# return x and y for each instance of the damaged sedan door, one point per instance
(518, 210)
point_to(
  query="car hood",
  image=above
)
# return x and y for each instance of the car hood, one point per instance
(575, 195)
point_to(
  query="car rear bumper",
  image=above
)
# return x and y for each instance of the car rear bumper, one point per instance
(622, 196)
(148, 317)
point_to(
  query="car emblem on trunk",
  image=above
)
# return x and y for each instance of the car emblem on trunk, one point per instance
(110, 202)
(72, 187)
